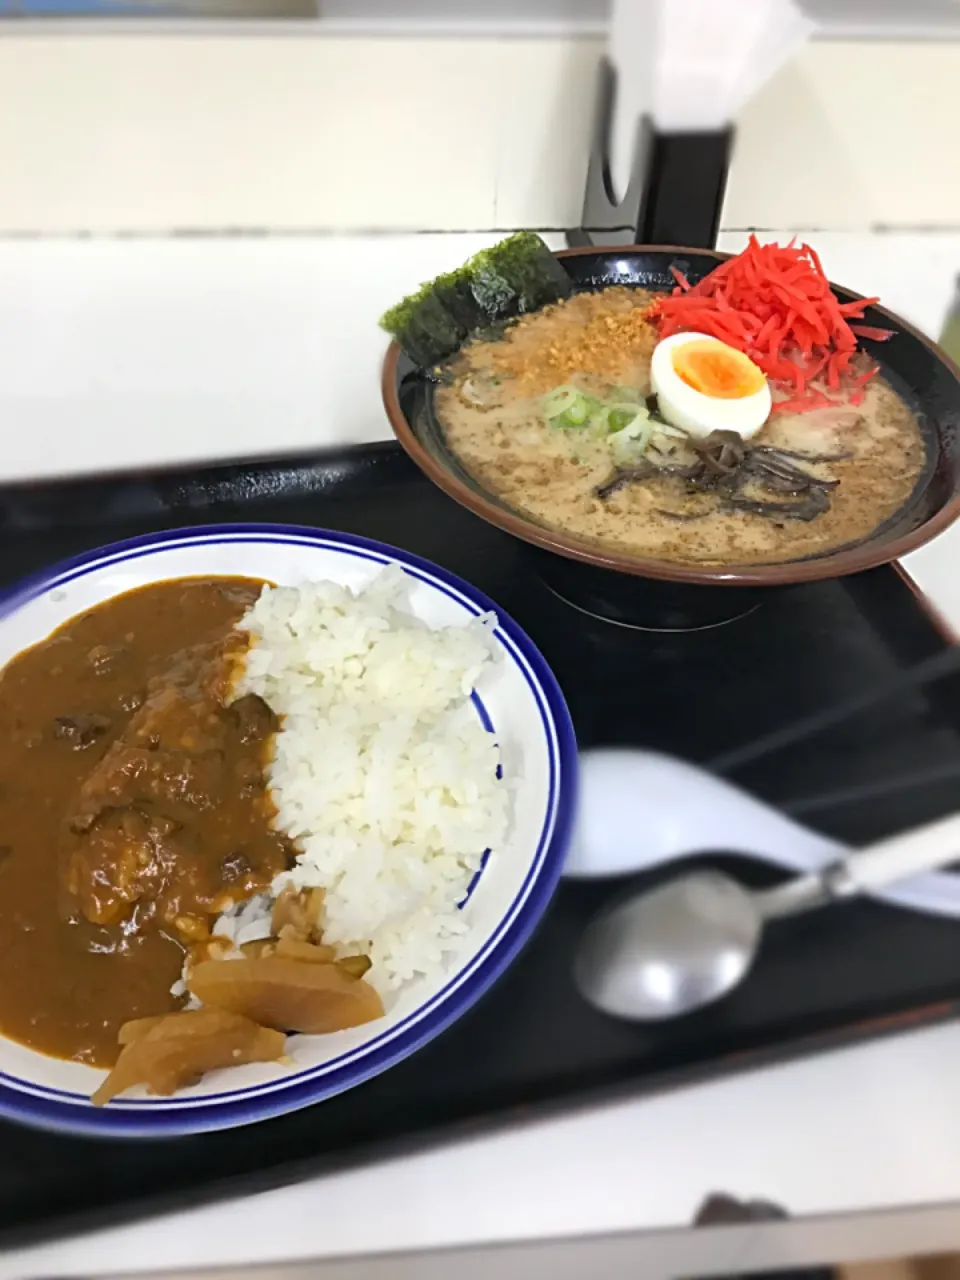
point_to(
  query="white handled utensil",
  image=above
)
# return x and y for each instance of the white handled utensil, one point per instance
(686, 943)
(640, 809)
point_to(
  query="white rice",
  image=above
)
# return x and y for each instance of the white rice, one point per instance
(382, 773)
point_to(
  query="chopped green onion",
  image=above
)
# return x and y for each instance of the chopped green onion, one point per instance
(558, 401)
(574, 419)
(641, 426)
(632, 443)
(617, 419)
(620, 416)
(566, 407)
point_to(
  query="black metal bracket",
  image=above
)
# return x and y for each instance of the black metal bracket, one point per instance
(676, 187)
(606, 220)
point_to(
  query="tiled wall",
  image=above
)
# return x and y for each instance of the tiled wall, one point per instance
(161, 132)
(851, 135)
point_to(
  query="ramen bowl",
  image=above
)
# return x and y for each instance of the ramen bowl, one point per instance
(521, 703)
(672, 594)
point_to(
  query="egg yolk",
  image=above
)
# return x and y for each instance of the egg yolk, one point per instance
(716, 370)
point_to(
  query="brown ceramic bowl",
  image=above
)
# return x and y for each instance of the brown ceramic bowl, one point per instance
(658, 592)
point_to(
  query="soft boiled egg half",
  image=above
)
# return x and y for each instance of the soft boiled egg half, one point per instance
(703, 385)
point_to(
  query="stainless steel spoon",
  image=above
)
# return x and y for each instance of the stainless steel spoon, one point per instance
(690, 941)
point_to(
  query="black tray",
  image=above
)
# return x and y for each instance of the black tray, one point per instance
(531, 1044)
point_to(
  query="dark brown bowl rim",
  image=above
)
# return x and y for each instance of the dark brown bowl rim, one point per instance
(833, 565)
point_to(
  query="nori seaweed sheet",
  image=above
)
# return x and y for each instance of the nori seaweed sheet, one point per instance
(454, 291)
(510, 279)
(424, 327)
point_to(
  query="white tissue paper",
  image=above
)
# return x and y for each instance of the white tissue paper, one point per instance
(691, 65)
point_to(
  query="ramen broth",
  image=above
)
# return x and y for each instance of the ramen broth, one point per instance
(493, 419)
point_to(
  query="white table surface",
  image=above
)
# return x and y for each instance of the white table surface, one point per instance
(137, 352)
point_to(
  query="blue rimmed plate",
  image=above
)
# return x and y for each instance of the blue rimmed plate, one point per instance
(519, 697)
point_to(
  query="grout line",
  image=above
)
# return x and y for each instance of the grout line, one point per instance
(872, 228)
(253, 233)
(329, 233)
(295, 25)
(566, 27)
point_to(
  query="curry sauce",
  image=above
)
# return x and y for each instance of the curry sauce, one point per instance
(133, 808)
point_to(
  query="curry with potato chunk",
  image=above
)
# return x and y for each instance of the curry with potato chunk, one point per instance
(133, 809)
